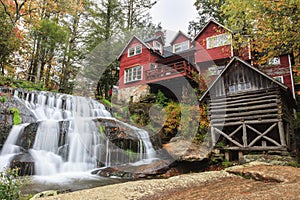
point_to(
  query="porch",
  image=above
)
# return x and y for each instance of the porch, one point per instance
(172, 70)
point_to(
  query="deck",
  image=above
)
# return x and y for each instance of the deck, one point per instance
(173, 70)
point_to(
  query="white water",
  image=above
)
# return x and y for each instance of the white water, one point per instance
(83, 143)
(10, 149)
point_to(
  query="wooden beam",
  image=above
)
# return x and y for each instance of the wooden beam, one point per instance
(240, 155)
(213, 137)
(256, 148)
(247, 122)
(241, 108)
(234, 132)
(245, 142)
(245, 95)
(254, 112)
(263, 135)
(281, 133)
(227, 156)
(246, 102)
(228, 138)
(245, 118)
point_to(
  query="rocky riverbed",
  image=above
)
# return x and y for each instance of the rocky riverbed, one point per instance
(251, 181)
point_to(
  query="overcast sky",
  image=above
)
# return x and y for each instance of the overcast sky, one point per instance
(174, 15)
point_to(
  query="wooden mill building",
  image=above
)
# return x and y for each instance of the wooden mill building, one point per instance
(249, 111)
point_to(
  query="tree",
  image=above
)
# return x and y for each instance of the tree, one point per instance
(273, 25)
(112, 23)
(9, 40)
(136, 12)
(73, 53)
(206, 9)
(50, 37)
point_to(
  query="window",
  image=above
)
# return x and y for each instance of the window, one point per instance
(220, 69)
(215, 70)
(239, 87)
(181, 46)
(274, 61)
(135, 50)
(212, 70)
(218, 40)
(133, 74)
(279, 79)
(157, 46)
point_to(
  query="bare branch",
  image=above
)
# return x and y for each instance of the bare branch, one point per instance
(7, 12)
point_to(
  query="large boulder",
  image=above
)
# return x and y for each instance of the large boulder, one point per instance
(185, 150)
(135, 171)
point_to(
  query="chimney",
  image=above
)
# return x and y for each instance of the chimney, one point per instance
(160, 32)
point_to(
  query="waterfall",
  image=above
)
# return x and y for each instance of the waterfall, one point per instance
(80, 147)
(10, 148)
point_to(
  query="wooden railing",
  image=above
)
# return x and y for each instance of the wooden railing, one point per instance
(182, 67)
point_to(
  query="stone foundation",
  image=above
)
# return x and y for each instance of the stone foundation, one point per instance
(135, 93)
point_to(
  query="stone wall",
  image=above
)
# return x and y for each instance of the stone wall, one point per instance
(135, 93)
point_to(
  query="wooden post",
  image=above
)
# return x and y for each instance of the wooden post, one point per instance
(245, 135)
(213, 137)
(227, 156)
(281, 133)
(240, 155)
(264, 143)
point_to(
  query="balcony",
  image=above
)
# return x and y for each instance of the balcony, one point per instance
(172, 70)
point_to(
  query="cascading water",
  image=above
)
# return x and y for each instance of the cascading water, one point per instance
(82, 146)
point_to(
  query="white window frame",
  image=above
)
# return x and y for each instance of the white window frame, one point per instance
(218, 40)
(279, 79)
(157, 45)
(215, 69)
(135, 50)
(240, 87)
(220, 69)
(178, 47)
(132, 74)
(212, 70)
(274, 61)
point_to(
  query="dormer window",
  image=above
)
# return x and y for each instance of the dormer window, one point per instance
(218, 40)
(181, 46)
(157, 46)
(135, 50)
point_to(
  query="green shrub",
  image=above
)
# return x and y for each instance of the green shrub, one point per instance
(3, 99)
(161, 99)
(10, 184)
(294, 164)
(17, 118)
(227, 164)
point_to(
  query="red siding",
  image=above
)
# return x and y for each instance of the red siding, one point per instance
(203, 54)
(280, 70)
(244, 53)
(144, 59)
(179, 39)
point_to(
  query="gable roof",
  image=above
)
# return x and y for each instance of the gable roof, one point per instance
(206, 25)
(141, 41)
(236, 59)
(179, 33)
(153, 38)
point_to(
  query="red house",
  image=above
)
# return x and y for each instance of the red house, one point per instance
(144, 65)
